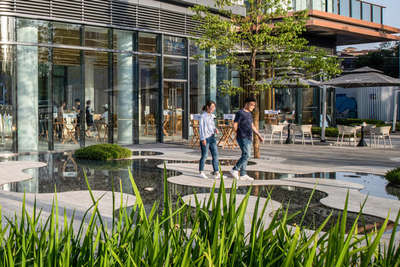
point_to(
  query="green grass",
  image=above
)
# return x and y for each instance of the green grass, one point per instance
(103, 152)
(393, 176)
(217, 237)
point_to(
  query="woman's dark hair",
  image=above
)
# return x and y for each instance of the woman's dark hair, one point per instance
(207, 105)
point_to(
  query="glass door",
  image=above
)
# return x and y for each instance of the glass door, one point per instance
(173, 110)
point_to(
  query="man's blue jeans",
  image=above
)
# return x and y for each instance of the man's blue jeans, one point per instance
(211, 144)
(245, 146)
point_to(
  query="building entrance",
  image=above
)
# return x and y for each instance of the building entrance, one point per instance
(173, 110)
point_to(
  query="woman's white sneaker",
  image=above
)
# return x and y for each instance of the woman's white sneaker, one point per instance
(203, 175)
(246, 178)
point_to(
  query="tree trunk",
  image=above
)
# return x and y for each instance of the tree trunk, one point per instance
(256, 112)
(256, 141)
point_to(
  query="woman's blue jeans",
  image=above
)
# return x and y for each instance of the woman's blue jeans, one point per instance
(211, 144)
(245, 146)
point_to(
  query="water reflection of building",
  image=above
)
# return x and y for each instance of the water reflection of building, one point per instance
(137, 57)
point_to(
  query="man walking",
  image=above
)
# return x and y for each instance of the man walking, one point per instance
(244, 127)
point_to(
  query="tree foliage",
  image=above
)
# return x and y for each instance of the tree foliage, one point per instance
(269, 33)
(385, 59)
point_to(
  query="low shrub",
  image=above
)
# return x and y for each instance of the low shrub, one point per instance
(103, 152)
(217, 236)
(354, 122)
(393, 176)
(329, 131)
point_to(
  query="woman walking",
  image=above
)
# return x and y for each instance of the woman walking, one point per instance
(207, 131)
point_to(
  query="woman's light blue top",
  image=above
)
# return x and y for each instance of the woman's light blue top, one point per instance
(206, 125)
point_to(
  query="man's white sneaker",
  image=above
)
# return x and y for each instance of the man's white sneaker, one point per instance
(203, 175)
(235, 174)
(246, 178)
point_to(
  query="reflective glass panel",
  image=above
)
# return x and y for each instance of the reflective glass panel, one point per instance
(68, 34)
(6, 93)
(198, 85)
(124, 40)
(366, 11)
(175, 68)
(96, 98)
(148, 42)
(174, 45)
(68, 103)
(6, 29)
(345, 8)
(376, 14)
(149, 87)
(355, 9)
(33, 31)
(96, 37)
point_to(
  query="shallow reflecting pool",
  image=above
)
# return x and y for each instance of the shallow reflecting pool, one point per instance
(374, 185)
(64, 173)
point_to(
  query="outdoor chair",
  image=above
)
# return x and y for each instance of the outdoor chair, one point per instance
(384, 133)
(272, 129)
(349, 131)
(302, 130)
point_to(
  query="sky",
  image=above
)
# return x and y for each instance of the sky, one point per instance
(390, 17)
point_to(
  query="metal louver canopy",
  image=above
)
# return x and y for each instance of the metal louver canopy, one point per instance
(363, 77)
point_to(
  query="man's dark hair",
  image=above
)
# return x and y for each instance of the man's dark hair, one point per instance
(249, 99)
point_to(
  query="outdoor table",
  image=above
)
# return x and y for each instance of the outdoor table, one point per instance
(101, 126)
(227, 138)
(196, 134)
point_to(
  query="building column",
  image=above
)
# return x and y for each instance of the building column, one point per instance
(89, 80)
(27, 91)
(125, 89)
(201, 79)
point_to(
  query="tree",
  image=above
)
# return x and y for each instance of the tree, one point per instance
(269, 31)
(385, 59)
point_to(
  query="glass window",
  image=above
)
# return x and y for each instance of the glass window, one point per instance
(67, 94)
(32, 31)
(175, 45)
(356, 9)
(376, 14)
(96, 97)
(6, 29)
(175, 68)
(198, 85)
(96, 37)
(124, 40)
(67, 34)
(148, 42)
(345, 8)
(366, 11)
(335, 5)
(194, 50)
(149, 87)
(6, 92)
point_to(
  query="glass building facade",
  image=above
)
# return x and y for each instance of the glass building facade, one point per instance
(65, 85)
